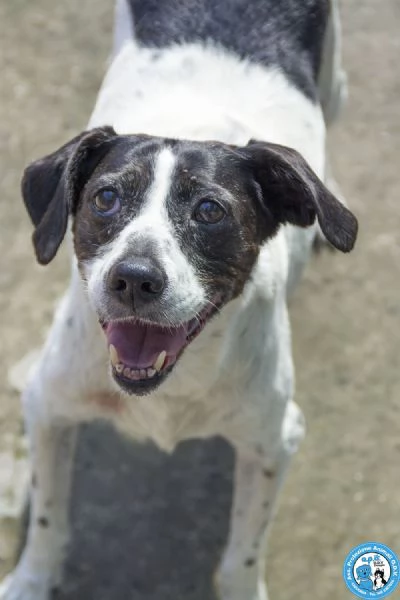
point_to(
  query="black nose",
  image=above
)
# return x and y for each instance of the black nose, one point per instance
(136, 282)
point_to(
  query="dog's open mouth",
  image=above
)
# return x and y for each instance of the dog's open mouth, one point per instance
(143, 353)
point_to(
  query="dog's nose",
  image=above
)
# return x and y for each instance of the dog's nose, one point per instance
(136, 281)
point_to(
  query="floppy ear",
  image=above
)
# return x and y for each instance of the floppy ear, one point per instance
(292, 193)
(51, 186)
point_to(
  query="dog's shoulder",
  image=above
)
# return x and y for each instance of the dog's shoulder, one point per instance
(287, 34)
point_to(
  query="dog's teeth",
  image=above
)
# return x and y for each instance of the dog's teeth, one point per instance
(113, 355)
(136, 374)
(158, 365)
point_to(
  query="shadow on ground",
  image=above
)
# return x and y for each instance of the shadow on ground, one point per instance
(160, 521)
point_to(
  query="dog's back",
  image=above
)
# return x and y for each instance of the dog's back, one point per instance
(230, 70)
(287, 34)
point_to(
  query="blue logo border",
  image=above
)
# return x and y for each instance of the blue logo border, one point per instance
(370, 547)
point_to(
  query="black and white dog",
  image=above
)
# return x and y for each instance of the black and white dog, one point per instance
(188, 236)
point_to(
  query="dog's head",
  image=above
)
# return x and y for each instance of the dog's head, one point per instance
(363, 571)
(166, 232)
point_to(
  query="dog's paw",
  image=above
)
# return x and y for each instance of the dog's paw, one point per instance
(25, 586)
(231, 590)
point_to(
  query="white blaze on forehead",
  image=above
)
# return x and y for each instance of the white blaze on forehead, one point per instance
(159, 189)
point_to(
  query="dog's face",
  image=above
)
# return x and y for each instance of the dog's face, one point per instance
(363, 571)
(167, 232)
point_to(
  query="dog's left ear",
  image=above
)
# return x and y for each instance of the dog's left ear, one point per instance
(292, 193)
(51, 186)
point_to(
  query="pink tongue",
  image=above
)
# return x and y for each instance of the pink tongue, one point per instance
(139, 345)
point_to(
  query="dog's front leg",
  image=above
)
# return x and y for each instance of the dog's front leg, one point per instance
(39, 568)
(258, 481)
(257, 484)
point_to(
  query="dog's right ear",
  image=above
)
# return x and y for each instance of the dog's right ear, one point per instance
(51, 187)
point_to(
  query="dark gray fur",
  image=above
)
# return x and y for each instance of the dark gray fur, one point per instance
(286, 33)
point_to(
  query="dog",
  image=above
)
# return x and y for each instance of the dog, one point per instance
(192, 202)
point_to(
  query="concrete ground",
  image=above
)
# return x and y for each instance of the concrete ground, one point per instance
(144, 527)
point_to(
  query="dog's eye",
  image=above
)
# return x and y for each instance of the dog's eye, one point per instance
(209, 212)
(107, 203)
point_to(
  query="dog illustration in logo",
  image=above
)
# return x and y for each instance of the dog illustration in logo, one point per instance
(379, 579)
(364, 574)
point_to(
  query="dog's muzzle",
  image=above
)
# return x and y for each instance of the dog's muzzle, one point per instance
(142, 354)
(143, 350)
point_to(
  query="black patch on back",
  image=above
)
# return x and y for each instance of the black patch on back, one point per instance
(286, 33)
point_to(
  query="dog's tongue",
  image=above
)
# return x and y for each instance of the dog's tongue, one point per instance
(139, 345)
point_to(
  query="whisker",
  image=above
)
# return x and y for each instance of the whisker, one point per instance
(211, 303)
